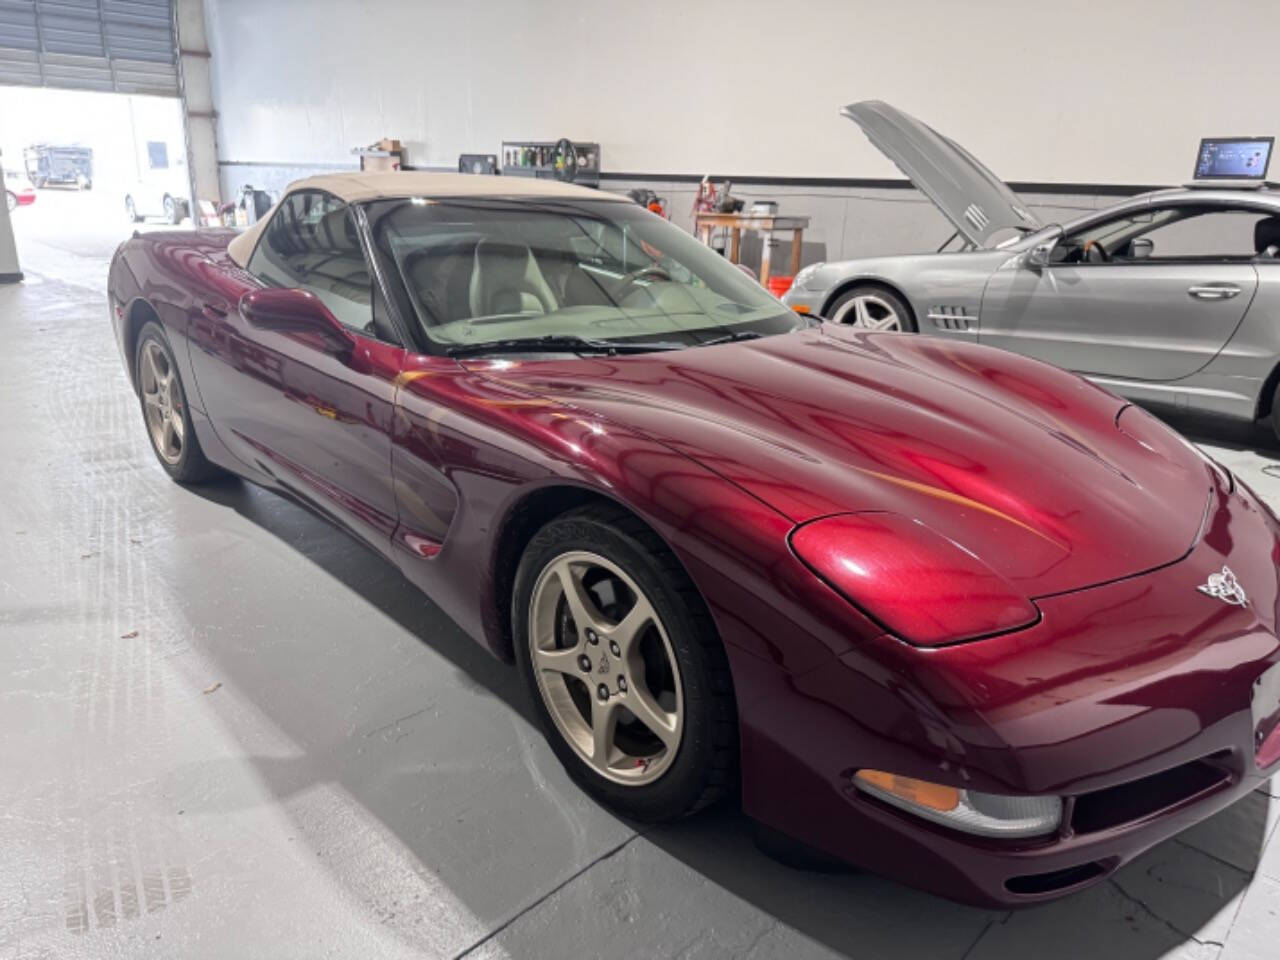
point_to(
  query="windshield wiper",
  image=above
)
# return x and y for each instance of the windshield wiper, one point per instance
(732, 337)
(556, 343)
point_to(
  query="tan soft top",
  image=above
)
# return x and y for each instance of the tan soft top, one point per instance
(359, 187)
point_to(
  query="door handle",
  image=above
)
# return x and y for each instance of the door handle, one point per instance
(213, 311)
(1214, 291)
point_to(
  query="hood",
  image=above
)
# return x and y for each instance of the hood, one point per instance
(973, 198)
(1021, 464)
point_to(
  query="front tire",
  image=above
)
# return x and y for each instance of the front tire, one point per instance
(869, 306)
(171, 214)
(628, 677)
(165, 411)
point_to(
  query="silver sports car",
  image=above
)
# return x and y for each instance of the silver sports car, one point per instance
(1172, 297)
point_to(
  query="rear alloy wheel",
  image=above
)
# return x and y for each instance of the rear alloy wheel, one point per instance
(629, 680)
(171, 211)
(131, 210)
(870, 307)
(165, 411)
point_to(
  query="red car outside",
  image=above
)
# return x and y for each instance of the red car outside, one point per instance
(18, 191)
(938, 610)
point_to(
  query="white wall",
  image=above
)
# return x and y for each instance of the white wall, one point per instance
(1083, 92)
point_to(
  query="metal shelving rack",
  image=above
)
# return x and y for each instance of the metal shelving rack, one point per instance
(534, 158)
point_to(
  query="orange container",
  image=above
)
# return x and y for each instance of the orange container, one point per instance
(779, 285)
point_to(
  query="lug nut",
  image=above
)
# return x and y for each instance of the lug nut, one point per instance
(614, 648)
(602, 692)
(592, 637)
(622, 684)
(584, 663)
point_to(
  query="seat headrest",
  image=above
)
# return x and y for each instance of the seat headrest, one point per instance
(505, 279)
(502, 263)
(1266, 234)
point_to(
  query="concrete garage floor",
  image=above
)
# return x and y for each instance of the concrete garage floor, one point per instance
(226, 730)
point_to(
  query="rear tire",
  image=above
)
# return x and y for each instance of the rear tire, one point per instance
(871, 307)
(131, 210)
(165, 411)
(678, 670)
(171, 211)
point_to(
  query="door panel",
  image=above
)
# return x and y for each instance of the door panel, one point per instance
(1145, 321)
(319, 424)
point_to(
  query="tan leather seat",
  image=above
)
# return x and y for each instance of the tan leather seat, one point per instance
(505, 279)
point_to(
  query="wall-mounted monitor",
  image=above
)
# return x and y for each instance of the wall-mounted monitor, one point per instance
(1234, 158)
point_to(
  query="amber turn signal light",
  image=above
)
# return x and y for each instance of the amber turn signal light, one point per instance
(920, 793)
(800, 307)
(970, 811)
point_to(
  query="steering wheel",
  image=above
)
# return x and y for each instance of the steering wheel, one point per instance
(651, 270)
(1092, 246)
(566, 160)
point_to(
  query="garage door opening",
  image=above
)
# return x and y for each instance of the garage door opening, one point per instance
(83, 170)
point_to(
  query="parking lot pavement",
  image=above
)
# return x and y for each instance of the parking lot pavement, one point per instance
(226, 730)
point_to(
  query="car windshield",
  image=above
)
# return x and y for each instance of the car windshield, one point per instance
(490, 270)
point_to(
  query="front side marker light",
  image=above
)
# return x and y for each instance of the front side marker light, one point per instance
(970, 811)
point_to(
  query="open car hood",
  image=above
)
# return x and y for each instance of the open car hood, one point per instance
(1021, 464)
(973, 198)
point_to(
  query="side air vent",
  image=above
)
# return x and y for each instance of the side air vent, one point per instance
(952, 318)
(975, 215)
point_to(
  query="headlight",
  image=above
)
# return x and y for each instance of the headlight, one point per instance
(984, 814)
(917, 584)
(802, 279)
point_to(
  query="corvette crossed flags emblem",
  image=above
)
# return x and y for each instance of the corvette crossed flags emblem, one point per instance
(1225, 587)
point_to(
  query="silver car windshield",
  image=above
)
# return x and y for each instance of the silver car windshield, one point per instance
(480, 270)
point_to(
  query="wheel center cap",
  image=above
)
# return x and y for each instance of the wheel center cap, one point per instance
(604, 664)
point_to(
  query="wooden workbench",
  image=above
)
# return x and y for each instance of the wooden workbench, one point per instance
(765, 225)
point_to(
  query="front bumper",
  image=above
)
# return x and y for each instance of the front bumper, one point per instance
(808, 302)
(1147, 704)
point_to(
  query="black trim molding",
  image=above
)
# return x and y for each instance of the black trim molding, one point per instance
(742, 179)
(873, 183)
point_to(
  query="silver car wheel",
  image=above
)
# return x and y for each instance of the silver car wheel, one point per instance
(162, 403)
(866, 311)
(605, 668)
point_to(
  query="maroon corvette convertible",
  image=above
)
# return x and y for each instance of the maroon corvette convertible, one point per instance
(934, 609)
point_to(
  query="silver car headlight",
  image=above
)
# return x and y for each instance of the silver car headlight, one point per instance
(802, 279)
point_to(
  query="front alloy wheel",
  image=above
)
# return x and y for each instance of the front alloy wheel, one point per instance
(605, 668)
(628, 676)
(868, 307)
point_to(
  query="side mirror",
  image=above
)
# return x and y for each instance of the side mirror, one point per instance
(299, 312)
(1039, 255)
(1141, 248)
